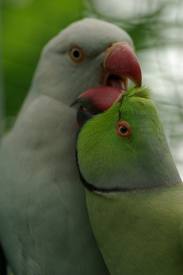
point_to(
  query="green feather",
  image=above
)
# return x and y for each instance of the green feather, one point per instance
(134, 193)
(139, 232)
(141, 161)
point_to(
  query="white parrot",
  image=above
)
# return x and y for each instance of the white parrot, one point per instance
(44, 225)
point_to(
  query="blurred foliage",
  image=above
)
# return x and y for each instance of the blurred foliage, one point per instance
(143, 30)
(147, 30)
(1, 79)
(27, 26)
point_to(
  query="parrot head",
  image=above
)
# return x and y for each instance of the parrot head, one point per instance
(87, 57)
(124, 148)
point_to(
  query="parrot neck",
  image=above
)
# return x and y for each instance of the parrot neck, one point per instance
(159, 171)
(92, 188)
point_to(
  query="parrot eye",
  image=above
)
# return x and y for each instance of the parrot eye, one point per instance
(123, 129)
(77, 54)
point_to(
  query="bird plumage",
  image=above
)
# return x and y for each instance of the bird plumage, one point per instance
(134, 192)
(44, 225)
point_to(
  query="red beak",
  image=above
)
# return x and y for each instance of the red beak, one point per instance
(120, 64)
(120, 60)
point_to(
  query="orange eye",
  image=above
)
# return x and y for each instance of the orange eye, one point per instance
(123, 129)
(77, 54)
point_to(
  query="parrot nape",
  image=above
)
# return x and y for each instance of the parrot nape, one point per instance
(44, 224)
(133, 190)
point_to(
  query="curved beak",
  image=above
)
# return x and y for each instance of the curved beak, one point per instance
(121, 62)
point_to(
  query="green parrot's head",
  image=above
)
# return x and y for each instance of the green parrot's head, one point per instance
(124, 148)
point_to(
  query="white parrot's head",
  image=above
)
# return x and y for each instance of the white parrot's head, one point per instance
(88, 54)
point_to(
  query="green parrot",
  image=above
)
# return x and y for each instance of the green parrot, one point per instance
(133, 190)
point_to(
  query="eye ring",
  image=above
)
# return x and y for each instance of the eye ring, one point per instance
(123, 129)
(76, 54)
